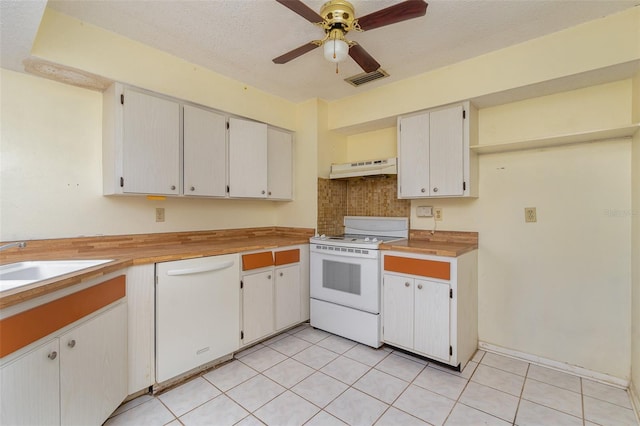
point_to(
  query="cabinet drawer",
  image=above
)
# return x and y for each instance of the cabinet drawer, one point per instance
(287, 256)
(256, 260)
(26, 327)
(421, 267)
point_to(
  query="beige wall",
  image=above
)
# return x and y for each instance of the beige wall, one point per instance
(332, 146)
(559, 288)
(591, 46)
(303, 211)
(635, 248)
(51, 180)
(52, 136)
(68, 41)
(372, 145)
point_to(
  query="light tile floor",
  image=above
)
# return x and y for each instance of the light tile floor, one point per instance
(309, 377)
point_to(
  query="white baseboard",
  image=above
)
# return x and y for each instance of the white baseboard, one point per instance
(556, 365)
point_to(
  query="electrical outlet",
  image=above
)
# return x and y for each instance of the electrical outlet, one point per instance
(530, 214)
(437, 213)
(160, 214)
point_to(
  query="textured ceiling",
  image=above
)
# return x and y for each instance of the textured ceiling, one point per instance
(239, 38)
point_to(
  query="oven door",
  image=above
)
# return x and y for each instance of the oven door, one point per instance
(346, 276)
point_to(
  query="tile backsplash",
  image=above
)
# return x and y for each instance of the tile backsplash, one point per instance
(369, 196)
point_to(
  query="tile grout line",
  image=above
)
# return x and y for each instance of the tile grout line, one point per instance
(524, 382)
(315, 345)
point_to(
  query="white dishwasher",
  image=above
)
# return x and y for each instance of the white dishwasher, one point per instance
(197, 313)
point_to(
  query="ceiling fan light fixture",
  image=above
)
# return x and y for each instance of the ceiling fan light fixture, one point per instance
(336, 50)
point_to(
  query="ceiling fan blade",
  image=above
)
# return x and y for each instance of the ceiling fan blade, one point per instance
(283, 59)
(362, 58)
(397, 13)
(302, 9)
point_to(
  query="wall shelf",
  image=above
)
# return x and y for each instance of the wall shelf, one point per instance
(571, 138)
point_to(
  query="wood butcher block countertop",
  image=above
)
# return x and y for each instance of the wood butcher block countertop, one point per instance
(441, 243)
(139, 249)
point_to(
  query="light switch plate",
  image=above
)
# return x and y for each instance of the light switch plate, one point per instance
(424, 211)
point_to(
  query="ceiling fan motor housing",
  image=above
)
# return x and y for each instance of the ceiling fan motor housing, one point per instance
(338, 14)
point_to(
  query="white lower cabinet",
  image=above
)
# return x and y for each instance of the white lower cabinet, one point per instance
(93, 368)
(257, 305)
(287, 296)
(275, 291)
(30, 387)
(416, 314)
(141, 327)
(76, 378)
(430, 305)
(432, 318)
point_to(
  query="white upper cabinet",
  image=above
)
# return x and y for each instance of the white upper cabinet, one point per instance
(434, 159)
(280, 164)
(247, 159)
(158, 145)
(446, 144)
(205, 160)
(141, 146)
(413, 156)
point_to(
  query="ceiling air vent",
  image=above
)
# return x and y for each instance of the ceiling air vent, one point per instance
(366, 77)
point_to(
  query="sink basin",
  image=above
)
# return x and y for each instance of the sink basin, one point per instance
(22, 273)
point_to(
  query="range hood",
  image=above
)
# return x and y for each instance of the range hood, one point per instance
(386, 166)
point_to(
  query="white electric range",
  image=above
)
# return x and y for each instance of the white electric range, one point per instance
(345, 277)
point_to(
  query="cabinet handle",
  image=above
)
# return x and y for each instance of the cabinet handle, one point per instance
(423, 190)
(407, 284)
(419, 286)
(173, 187)
(72, 343)
(269, 193)
(264, 192)
(52, 355)
(281, 274)
(193, 188)
(268, 277)
(435, 189)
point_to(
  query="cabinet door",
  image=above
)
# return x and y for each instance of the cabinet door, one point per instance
(287, 296)
(257, 306)
(30, 388)
(397, 310)
(93, 368)
(280, 164)
(151, 144)
(247, 159)
(141, 327)
(431, 326)
(413, 156)
(446, 145)
(205, 159)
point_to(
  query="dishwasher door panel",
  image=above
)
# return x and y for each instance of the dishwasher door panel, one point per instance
(197, 313)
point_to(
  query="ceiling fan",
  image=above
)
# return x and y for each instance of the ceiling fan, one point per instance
(337, 18)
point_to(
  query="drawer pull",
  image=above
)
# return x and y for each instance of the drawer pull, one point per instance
(52, 355)
(419, 286)
(407, 284)
(72, 343)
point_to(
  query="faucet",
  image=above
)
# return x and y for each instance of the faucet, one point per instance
(20, 244)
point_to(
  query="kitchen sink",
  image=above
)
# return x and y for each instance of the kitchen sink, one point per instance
(22, 273)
